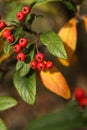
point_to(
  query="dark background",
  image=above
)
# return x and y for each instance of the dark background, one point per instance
(76, 75)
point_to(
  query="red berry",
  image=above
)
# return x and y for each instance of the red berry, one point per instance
(79, 94)
(49, 64)
(25, 10)
(6, 33)
(41, 66)
(23, 42)
(83, 102)
(33, 64)
(10, 39)
(17, 48)
(20, 16)
(2, 24)
(21, 56)
(39, 57)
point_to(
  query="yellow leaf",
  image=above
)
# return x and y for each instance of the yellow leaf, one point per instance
(53, 80)
(68, 34)
(85, 23)
(4, 56)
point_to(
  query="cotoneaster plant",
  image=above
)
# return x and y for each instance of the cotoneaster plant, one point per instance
(19, 38)
(30, 59)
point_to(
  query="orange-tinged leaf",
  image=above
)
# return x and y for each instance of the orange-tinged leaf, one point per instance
(53, 80)
(85, 23)
(4, 57)
(68, 35)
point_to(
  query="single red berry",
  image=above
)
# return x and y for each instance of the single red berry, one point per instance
(26, 10)
(79, 93)
(2, 24)
(21, 56)
(17, 48)
(49, 64)
(20, 16)
(33, 64)
(10, 39)
(39, 57)
(83, 102)
(23, 42)
(6, 33)
(41, 66)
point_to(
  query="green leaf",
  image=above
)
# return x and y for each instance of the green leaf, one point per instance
(7, 102)
(24, 67)
(67, 119)
(6, 47)
(26, 87)
(39, 1)
(54, 44)
(45, 1)
(2, 125)
(19, 65)
(28, 2)
(15, 8)
(69, 5)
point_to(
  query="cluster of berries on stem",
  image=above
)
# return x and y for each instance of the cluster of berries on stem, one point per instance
(80, 96)
(19, 46)
(7, 34)
(39, 63)
(22, 14)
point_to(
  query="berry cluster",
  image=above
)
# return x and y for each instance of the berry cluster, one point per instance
(22, 41)
(7, 34)
(20, 46)
(39, 63)
(80, 97)
(22, 14)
